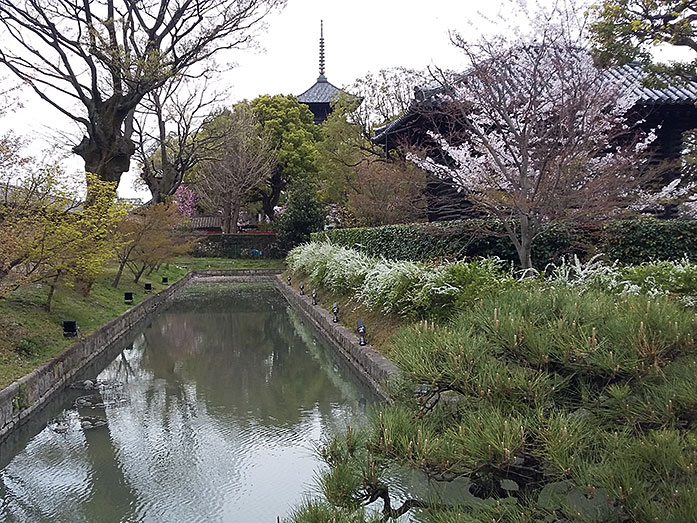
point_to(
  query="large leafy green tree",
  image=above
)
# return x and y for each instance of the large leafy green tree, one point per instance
(627, 30)
(303, 215)
(290, 128)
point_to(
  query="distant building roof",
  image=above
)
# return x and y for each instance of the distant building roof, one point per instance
(630, 76)
(206, 222)
(320, 96)
(322, 92)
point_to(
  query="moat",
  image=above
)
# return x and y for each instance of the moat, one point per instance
(213, 413)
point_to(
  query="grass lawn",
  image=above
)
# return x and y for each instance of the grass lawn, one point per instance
(30, 336)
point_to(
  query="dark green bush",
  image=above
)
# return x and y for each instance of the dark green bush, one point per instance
(302, 216)
(628, 241)
(243, 245)
(457, 239)
(636, 241)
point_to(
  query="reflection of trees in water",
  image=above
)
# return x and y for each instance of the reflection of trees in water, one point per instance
(127, 366)
(27, 483)
(350, 390)
(243, 355)
(210, 392)
(228, 296)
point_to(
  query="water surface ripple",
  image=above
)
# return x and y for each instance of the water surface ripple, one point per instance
(213, 414)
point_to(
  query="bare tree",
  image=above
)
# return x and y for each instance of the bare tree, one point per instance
(533, 133)
(173, 133)
(248, 158)
(94, 61)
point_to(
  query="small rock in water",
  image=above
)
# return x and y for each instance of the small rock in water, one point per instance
(86, 425)
(89, 384)
(60, 428)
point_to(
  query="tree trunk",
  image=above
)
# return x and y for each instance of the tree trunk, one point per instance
(525, 248)
(138, 274)
(51, 291)
(270, 201)
(235, 216)
(165, 183)
(119, 273)
(227, 216)
(106, 150)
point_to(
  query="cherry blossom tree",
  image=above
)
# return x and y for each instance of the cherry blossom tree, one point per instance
(533, 133)
(186, 200)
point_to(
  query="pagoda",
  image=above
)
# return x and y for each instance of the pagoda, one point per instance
(320, 96)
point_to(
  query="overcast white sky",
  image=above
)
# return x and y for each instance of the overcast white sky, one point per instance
(360, 36)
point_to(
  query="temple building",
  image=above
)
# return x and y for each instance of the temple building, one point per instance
(320, 96)
(670, 110)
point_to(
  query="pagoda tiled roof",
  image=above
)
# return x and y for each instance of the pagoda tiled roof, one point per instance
(322, 92)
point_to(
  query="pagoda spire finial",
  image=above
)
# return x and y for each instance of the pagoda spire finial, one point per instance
(321, 51)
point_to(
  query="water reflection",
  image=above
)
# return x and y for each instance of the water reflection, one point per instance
(224, 398)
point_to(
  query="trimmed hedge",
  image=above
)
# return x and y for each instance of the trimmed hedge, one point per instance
(629, 241)
(243, 245)
(636, 241)
(458, 239)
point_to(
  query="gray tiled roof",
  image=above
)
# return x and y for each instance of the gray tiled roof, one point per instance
(322, 92)
(206, 222)
(630, 76)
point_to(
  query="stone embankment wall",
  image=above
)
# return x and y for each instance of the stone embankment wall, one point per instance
(378, 371)
(25, 396)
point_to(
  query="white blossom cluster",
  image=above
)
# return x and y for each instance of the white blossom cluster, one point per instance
(652, 278)
(391, 286)
(533, 126)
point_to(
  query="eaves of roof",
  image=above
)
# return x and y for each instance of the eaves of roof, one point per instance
(630, 76)
(320, 93)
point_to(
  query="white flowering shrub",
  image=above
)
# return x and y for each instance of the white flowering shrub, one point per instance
(346, 270)
(592, 274)
(337, 268)
(390, 285)
(306, 257)
(422, 289)
(678, 278)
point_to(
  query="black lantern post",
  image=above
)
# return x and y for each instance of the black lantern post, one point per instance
(128, 298)
(335, 312)
(302, 289)
(69, 328)
(361, 332)
(314, 296)
(165, 280)
(148, 288)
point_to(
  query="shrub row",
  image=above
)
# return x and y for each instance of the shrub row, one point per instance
(243, 245)
(629, 242)
(432, 289)
(406, 288)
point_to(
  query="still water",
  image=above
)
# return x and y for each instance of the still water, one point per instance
(212, 414)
